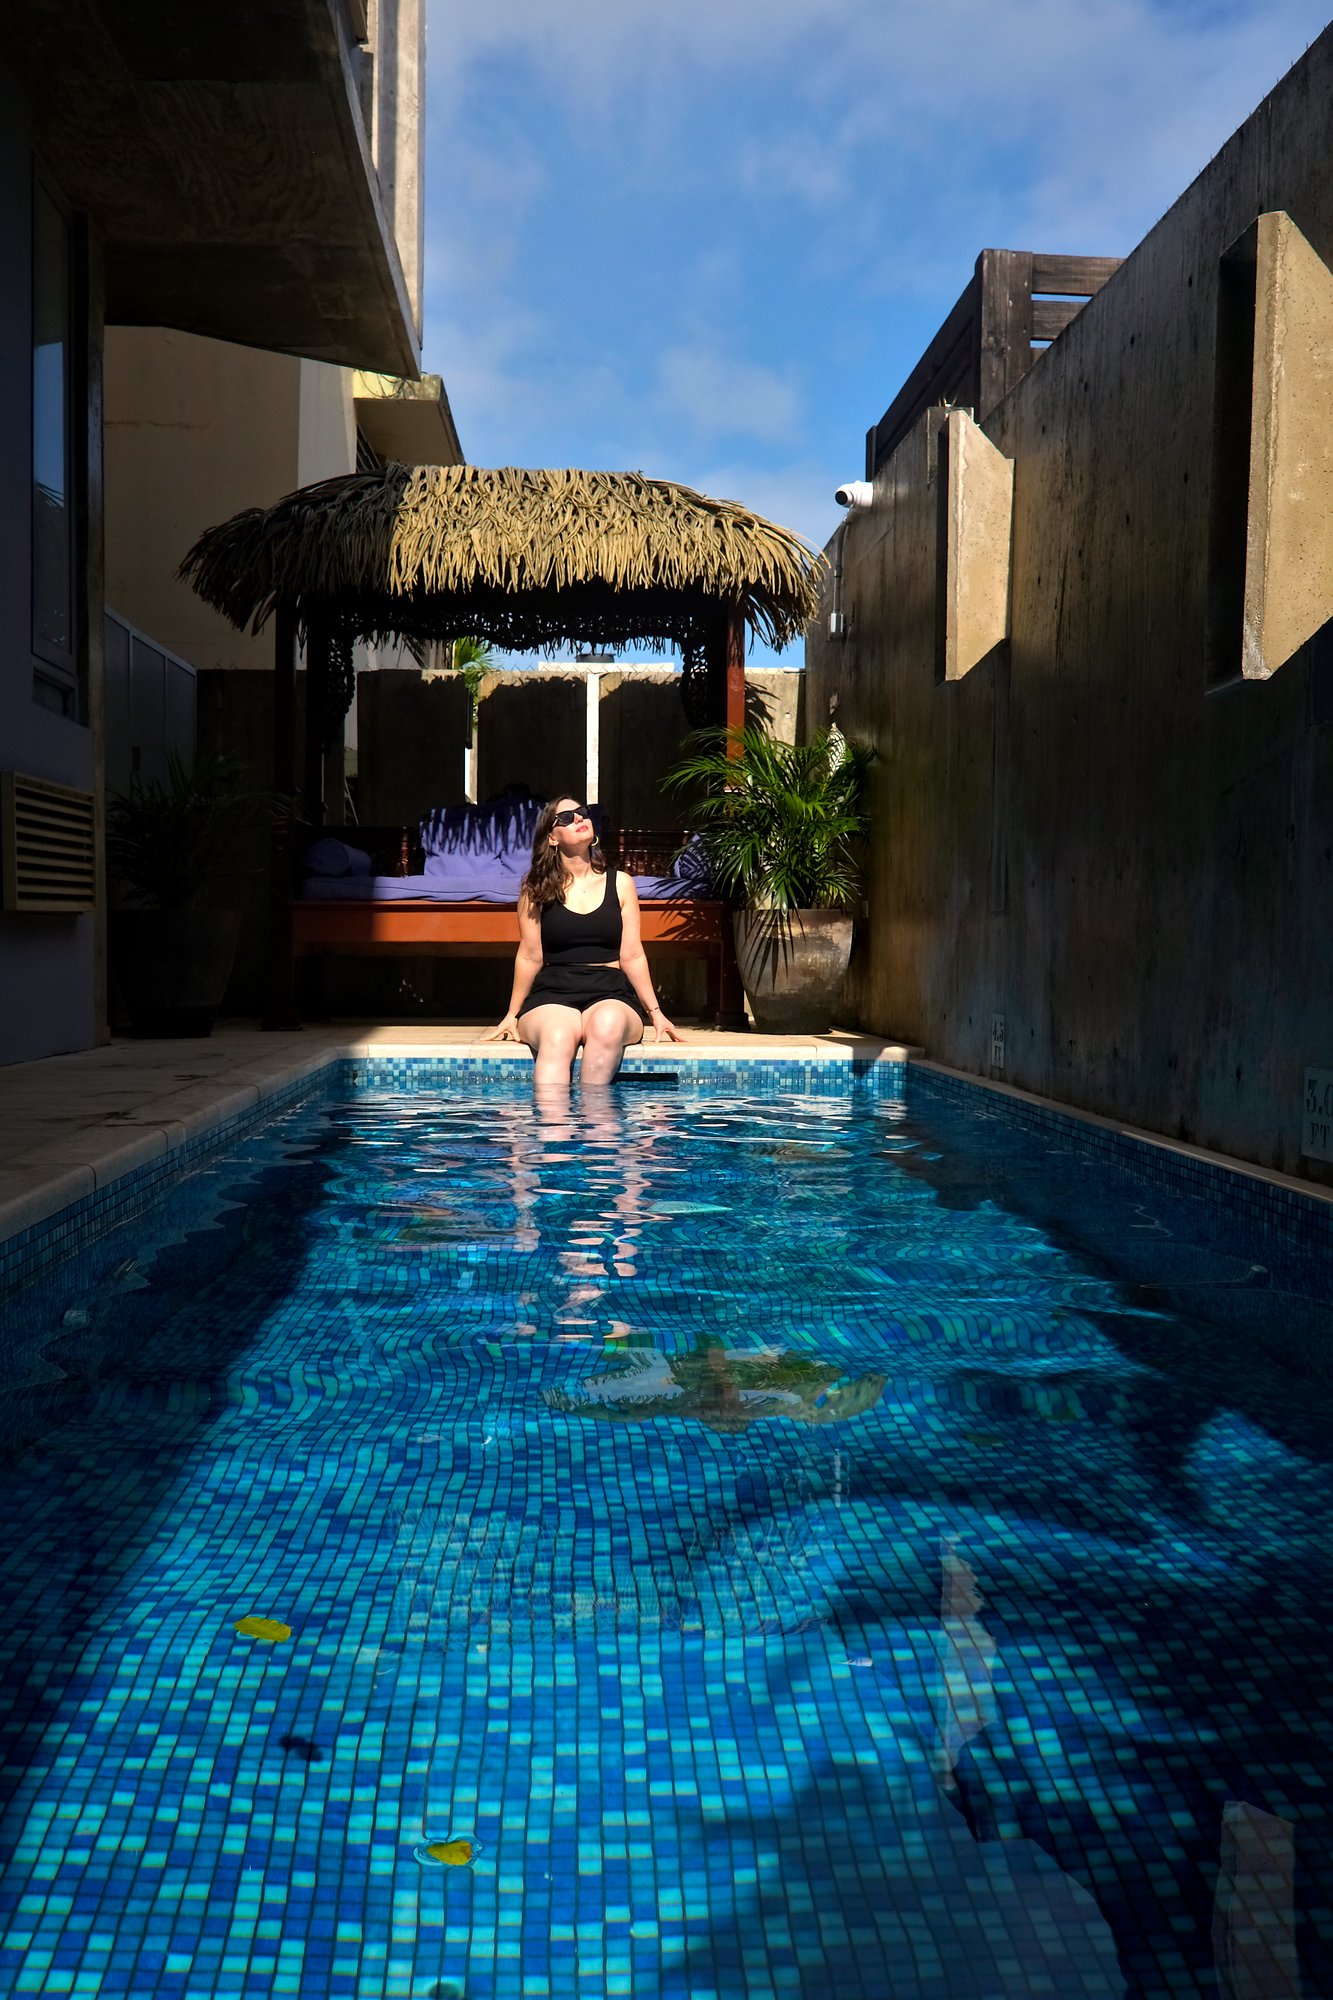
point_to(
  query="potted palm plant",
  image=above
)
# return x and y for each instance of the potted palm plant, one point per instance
(777, 822)
(170, 958)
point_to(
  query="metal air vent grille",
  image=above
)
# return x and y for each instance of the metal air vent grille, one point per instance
(47, 851)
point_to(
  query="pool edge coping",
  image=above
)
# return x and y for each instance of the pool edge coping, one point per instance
(1116, 1128)
(40, 1208)
(68, 1186)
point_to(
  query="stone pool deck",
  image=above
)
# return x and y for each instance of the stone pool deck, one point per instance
(72, 1124)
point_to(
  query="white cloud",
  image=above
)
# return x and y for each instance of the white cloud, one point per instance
(1113, 105)
(725, 396)
(779, 199)
(796, 492)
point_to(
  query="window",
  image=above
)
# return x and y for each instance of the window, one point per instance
(54, 639)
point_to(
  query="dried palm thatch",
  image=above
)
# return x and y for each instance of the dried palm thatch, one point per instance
(527, 560)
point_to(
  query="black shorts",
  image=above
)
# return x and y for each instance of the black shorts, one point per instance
(581, 986)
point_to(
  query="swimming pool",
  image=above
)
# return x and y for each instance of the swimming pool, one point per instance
(697, 1544)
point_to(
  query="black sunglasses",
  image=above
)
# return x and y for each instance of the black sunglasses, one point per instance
(568, 817)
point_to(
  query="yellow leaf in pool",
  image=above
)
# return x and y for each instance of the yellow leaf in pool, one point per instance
(271, 1629)
(452, 1853)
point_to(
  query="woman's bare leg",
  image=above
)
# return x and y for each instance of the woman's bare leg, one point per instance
(553, 1033)
(609, 1029)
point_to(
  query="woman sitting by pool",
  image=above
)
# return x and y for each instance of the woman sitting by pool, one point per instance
(581, 979)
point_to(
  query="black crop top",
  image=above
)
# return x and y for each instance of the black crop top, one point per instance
(579, 937)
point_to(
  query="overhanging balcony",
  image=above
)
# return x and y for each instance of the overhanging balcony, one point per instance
(407, 421)
(222, 154)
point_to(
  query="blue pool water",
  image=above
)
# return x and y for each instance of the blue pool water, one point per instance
(787, 1545)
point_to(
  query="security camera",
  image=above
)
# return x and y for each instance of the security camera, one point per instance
(856, 493)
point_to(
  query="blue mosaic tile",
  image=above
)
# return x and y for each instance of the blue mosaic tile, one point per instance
(1246, 1196)
(797, 1538)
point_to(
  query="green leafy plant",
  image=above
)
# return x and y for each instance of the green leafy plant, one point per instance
(778, 819)
(165, 841)
(473, 659)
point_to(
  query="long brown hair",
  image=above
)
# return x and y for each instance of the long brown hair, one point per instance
(545, 881)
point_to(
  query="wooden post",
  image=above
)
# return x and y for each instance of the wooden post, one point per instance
(730, 994)
(726, 669)
(282, 1013)
(1004, 325)
(316, 685)
(735, 670)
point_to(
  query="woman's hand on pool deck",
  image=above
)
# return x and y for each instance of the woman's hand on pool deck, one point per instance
(503, 1031)
(666, 1032)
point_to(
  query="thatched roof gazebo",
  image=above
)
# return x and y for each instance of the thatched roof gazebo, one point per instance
(528, 560)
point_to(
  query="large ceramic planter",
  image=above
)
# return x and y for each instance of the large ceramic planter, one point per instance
(172, 967)
(792, 965)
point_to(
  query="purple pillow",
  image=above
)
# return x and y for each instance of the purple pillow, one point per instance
(451, 866)
(489, 877)
(691, 864)
(504, 827)
(335, 857)
(478, 865)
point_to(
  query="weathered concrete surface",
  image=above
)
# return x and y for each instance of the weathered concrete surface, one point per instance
(1289, 529)
(976, 492)
(176, 406)
(225, 156)
(1133, 872)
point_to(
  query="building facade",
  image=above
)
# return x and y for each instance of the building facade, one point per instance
(214, 211)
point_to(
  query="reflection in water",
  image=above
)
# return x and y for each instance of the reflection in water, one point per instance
(726, 1388)
(1254, 1939)
(1057, 1937)
(966, 1701)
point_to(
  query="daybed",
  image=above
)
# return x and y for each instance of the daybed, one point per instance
(449, 888)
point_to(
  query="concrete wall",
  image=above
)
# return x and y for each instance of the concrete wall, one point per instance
(398, 39)
(326, 425)
(195, 430)
(49, 999)
(1133, 872)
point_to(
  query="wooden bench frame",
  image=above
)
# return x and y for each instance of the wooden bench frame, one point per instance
(684, 928)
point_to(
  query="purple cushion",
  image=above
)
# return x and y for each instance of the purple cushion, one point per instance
(691, 865)
(460, 869)
(330, 856)
(493, 888)
(664, 888)
(486, 875)
(469, 832)
(406, 889)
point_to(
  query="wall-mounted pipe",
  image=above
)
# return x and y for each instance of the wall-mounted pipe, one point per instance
(837, 618)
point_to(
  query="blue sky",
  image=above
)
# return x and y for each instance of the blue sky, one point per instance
(708, 238)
